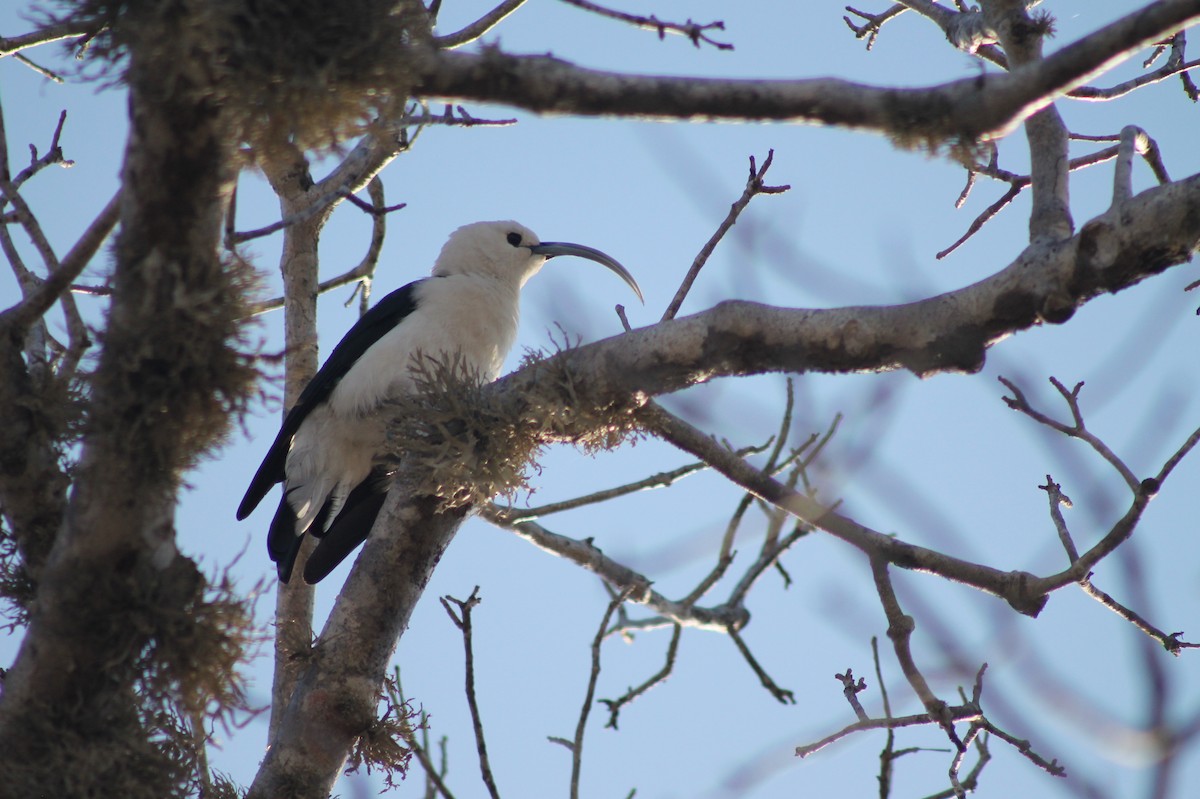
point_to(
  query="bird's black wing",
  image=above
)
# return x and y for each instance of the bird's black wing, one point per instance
(351, 527)
(385, 315)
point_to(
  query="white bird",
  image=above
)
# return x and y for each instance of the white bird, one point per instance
(329, 453)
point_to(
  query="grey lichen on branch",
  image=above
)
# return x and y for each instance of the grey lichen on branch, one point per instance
(466, 446)
(281, 69)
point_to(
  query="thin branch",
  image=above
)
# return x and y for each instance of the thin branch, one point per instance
(754, 187)
(1018, 183)
(1174, 65)
(900, 628)
(1077, 430)
(767, 557)
(514, 515)
(873, 23)
(68, 269)
(463, 623)
(1121, 530)
(1010, 586)
(1169, 641)
(983, 219)
(782, 695)
(54, 155)
(851, 689)
(726, 553)
(614, 705)
(479, 27)
(1023, 746)
(636, 586)
(956, 787)
(363, 273)
(955, 713)
(888, 754)
(693, 31)
(1059, 500)
(46, 73)
(597, 642)
(433, 775)
(45, 35)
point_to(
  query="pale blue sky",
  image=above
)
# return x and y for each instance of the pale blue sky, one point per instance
(940, 462)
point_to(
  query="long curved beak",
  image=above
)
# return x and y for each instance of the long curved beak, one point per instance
(553, 248)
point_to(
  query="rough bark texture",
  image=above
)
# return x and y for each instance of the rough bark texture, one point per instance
(951, 332)
(114, 572)
(337, 697)
(1022, 39)
(974, 108)
(287, 170)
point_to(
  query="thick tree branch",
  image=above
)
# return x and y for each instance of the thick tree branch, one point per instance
(1021, 37)
(334, 700)
(114, 570)
(949, 332)
(982, 107)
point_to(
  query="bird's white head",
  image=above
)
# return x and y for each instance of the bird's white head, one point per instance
(512, 253)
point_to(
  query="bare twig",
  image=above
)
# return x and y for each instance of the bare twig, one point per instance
(1170, 641)
(46, 73)
(1077, 430)
(900, 628)
(984, 218)
(364, 272)
(782, 695)
(433, 775)
(851, 688)
(693, 31)
(514, 515)
(1018, 183)
(614, 705)
(479, 27)
(1025, 748)
(463, 622)
(872, 23)
(888, 754)
(726, 553)
(637, 586)
(1013, 587)
(754, 187)
(1059, 500)
(1174, 65)
(956, 713)
(597, 642)
(44, 35)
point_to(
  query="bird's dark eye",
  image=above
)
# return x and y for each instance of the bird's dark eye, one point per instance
(514, 239)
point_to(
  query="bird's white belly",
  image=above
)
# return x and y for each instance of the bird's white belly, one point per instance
(470, 317)
(330, 455)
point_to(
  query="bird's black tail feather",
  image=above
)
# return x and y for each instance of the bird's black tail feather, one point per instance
(282, 542)
(351, 527)
(348, 530)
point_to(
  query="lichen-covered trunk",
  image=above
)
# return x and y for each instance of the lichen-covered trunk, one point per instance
(165, 377)
(336, 698)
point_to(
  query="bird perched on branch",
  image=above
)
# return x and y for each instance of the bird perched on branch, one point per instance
(328, 452)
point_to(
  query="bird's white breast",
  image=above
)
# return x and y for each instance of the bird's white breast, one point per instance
(472, 316)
